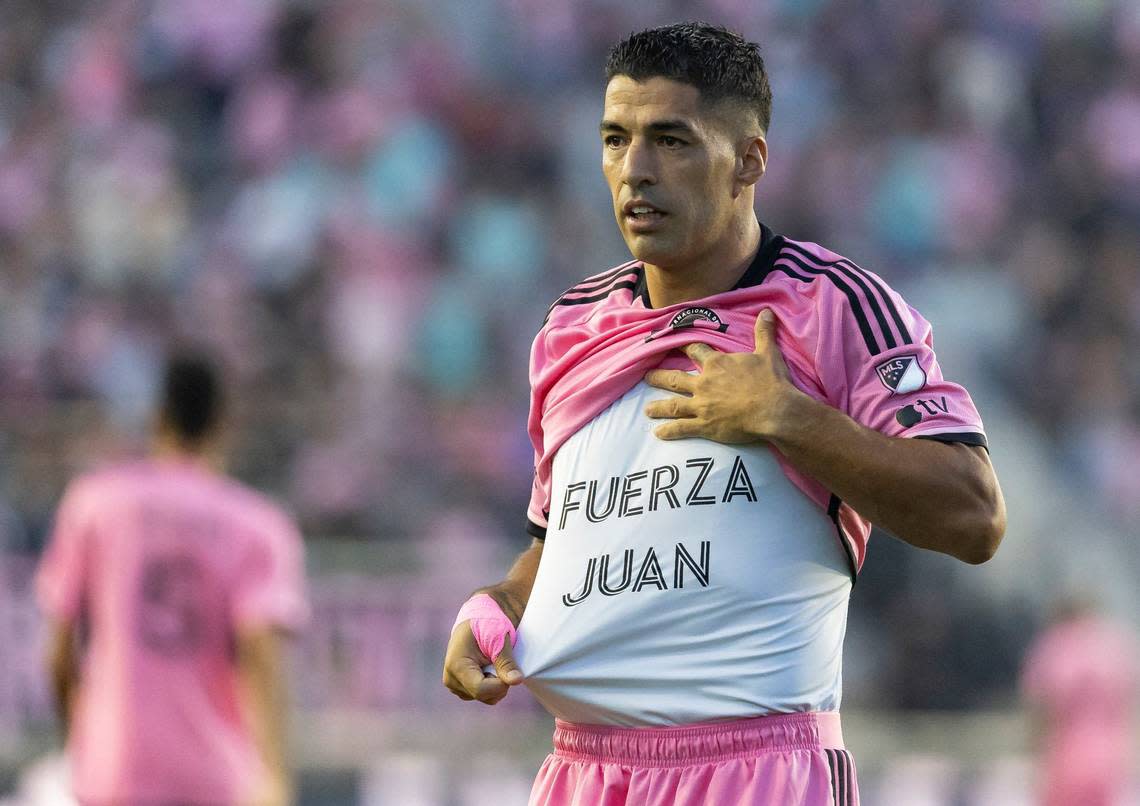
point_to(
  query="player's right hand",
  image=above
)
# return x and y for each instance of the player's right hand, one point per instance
(463, 668)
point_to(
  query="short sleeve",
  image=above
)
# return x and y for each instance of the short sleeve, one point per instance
(62, 577)
(538, 509)
(876, 358)
(269, 588)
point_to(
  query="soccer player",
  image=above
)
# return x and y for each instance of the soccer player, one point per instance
(716, 425)
(1080, 679)
(169, 587)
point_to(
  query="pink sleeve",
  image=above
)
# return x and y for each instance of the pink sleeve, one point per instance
(270, 583)
(538, 510)
(62, 576)
(878, 365)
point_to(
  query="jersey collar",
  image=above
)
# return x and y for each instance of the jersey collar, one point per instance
(758, 269)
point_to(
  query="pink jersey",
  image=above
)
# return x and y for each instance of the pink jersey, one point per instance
(848, 339)
(161, 562)
(1083, 676)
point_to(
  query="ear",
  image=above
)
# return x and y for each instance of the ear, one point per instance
(753, 161)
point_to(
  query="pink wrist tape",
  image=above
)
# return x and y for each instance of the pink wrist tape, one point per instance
(489, 624)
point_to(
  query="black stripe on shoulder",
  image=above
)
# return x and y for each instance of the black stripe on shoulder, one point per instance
(888, 301)
(596, 297)
(833, 512)
(600, 281)
(888, 335)
(965, 437)
(849, 292)
(608, 285)
(534, 530)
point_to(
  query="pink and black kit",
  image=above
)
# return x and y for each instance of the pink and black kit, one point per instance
(687, 620)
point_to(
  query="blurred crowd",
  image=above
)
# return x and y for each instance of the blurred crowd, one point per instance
(366, 208)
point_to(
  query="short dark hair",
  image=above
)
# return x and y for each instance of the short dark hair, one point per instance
(191, 395)
(722, 65)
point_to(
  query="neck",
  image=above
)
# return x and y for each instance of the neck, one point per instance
(168, 446)
(713, 273)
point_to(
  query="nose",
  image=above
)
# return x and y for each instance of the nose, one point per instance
(639, 166)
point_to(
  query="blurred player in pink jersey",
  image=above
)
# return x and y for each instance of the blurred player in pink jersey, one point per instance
(716, 425)
(169, 588)
(1082, 678)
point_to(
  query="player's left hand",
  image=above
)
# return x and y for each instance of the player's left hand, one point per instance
(735, 398)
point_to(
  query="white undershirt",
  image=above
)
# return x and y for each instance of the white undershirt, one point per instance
(742, 614)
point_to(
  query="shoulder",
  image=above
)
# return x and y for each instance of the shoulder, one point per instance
(262, 513)
(847, 294)
(101, 482)
(829, 272)
(581, 300)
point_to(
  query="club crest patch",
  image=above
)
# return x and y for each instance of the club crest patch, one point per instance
(695, 316)
(902, 374)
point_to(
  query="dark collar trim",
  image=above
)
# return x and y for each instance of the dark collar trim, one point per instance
(758, 269)
(761, 265)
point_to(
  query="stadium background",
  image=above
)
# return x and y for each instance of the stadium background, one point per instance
(365, 207)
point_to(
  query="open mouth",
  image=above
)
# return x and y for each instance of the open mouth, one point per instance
(640, 215)
(645, 214)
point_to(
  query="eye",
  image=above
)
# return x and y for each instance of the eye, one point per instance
(613, 141)
(669, 141)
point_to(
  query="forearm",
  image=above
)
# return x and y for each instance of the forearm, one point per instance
(266, 698)
(271, 729)
(933, 495)
(63, 668)
(513, 593)
(937, 496)
(63, 693)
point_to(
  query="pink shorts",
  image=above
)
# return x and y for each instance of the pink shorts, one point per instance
(780, 760)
